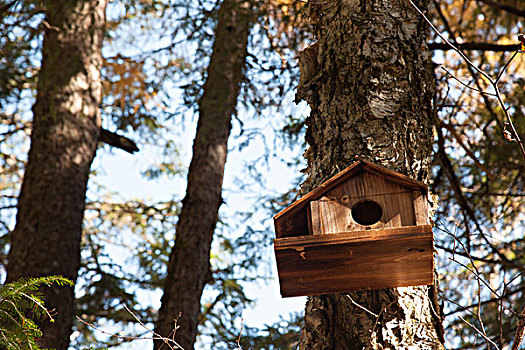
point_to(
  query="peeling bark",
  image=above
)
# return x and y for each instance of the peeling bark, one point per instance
(66, 124)
(369, 85)
(189, 264)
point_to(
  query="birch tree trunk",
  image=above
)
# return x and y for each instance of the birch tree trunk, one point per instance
(66, 124)
(369, 83)
(189, 264)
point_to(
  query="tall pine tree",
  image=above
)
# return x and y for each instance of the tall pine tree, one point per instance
(189, 264)
(66, 124)
(369, 83)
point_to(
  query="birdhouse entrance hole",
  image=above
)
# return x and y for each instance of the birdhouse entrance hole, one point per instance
(367, 212)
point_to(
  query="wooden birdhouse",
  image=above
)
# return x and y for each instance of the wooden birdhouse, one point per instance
(365, 228)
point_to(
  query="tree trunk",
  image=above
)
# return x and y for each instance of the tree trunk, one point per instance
(66, 124)
(369, 83)
(189, 264)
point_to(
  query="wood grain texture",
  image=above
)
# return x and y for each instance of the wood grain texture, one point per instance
(359, 181)
(305, 241)
(420, 201)
(372, 259)
(332, 213)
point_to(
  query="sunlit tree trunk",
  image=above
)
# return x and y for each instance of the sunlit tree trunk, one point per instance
(189, 264)
(66, 124)
(369, 84)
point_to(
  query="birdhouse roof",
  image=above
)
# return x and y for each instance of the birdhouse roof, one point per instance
(352, 170)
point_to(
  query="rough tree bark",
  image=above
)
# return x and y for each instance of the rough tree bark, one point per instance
(66, 124)
(189, 264)
(369, 84)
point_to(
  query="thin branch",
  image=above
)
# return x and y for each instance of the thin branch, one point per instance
(475, 258)
(495, 194)
(474, 46)
(118, 141)
(479, 280)
(239, 339)
(380, 313)
(50, 27)
(514, 133)
(167, 341)
(520, 331)
(361, 307)
(467, 150)
(505, 7)
(475, 271)
(462, 308)
(449, 43)
(7, 6)
(466, 85)
(506, 65)
(479, 332)
(493, 82)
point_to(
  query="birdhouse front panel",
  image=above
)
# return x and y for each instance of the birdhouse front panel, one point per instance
(365, 228)
(365, 201)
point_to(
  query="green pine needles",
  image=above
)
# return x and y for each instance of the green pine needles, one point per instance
(20, 304)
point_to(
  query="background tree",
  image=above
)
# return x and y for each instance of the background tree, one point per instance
(137, 77)
(65, 132)
(369, 84)
(189, 265)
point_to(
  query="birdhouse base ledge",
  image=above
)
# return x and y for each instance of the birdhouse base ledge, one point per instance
(358, 260)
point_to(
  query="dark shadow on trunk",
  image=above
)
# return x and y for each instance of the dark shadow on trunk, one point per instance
(66, 124)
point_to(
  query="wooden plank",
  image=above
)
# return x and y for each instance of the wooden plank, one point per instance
(329, 215)
(294, 215)
(346, 264)
(309, 218)
(356, 190)
(315, 218)
(292, 225)
(420, 201)
(393, 175)
(319, 191)
(339, 238)
(333, 212)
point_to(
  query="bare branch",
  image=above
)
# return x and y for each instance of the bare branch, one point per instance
(479, 332)
(6, 6)
(492, 81)
(167, 341)
(450, 44)
(461, 308)
(118, 141)
(239, 339)
(506, 65)
(466, 85)
(361, 306)
(475, 46)
(520, 331)
(467, 150)
(505, 7)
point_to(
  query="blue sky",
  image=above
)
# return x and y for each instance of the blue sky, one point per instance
(121, 172)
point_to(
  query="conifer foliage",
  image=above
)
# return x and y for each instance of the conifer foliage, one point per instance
(21, 303)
